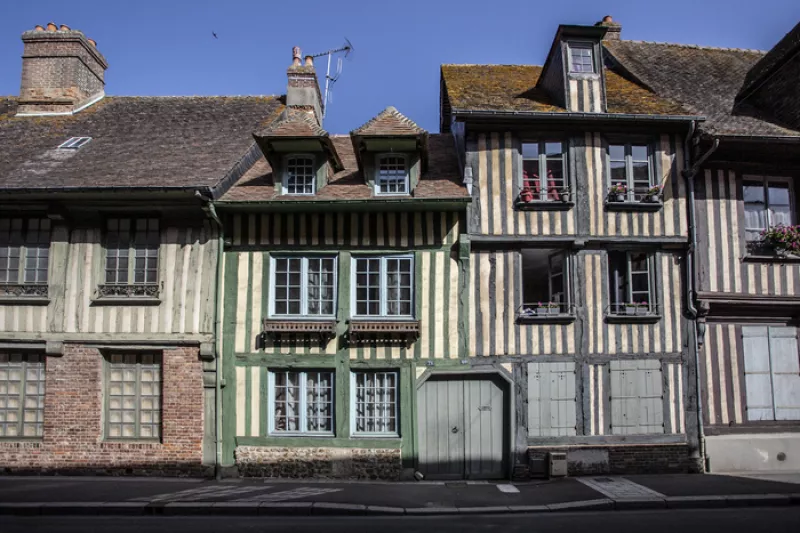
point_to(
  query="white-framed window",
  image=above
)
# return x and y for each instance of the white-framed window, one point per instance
(771, 373)
(24, 251)
(21, 395)
(132, 251)
(133, 396)
(383, 286)
(545, 279)
(630, 164)
(630, 281)
(581, 58)
(375, 403)
(74, 143)
(543, 172)
(299, 177)
(301, 402)
(303, 286)
(768, 202)
(391, 174)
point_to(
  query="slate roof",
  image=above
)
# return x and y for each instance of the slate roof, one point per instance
(441, 180)
(137, 142)
(704, 80)
(293, 124)
(513, 88)
(773, 59)
(388, 122)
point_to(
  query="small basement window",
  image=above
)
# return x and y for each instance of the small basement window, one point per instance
(73, 143)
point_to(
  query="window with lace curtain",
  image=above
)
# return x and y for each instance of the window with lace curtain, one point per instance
(768, 202)
(304, 286)
(383, 286)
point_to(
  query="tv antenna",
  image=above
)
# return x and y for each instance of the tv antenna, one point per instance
(347, 48)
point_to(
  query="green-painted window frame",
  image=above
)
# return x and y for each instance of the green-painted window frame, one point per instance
(383, 313)
(631, 195)
(304, 288)
(26, 403)
(136, 365)
(618, 308)
(379, 158)
(143, 236)
(302, 403)
(287, 168)
(393, 402)
(26, 240)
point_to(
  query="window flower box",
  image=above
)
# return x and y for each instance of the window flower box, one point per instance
(617, 193)
(548, 308)
(653, 195)
(783, 240)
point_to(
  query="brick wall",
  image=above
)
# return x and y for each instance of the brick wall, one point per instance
(73, 439)
(337, 463)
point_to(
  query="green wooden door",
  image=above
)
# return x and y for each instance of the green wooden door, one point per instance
(462, 428)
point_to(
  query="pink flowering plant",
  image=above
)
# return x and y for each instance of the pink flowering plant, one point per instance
(619, 188)
(654, 190)
(782, 238)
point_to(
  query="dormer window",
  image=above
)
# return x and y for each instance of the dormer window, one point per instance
(299, 177)
(581, 58)
(392, 174)
(74, 143)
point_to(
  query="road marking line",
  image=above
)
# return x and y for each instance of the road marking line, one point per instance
(507, 488)
(619, 488)
(293, 494)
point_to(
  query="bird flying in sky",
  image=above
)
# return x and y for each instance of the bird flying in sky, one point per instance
(215, 35)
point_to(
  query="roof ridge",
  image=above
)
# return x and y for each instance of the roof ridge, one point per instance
(192, 96)
(697, 46)
(487, 65)
(390, 111)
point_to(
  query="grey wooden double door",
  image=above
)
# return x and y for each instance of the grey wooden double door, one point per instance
(463, 427)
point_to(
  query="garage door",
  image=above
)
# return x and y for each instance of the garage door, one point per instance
(463, 427)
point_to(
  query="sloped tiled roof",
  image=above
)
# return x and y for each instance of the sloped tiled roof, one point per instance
(293, 124)
(388, 122)
(777, 55)
(441, 180)
(513, 88)
(169, 142)
(704, 80)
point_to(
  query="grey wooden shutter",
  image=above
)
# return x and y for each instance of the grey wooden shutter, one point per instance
(551, 399)
(636, 397)
(757, 373)
(785, 373)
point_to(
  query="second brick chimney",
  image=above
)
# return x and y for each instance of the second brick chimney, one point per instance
(62, 71)
(302, 92)
(614, 29)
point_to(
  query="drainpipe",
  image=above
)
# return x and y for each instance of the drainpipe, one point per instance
(211, 212)
(689, 174)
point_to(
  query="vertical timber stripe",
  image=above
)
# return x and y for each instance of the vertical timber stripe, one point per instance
(722, 373)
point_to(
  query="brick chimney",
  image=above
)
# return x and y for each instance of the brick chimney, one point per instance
(614, 29)
(62, 71)
(302, 92)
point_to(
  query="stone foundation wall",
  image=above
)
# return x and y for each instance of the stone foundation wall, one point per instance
(335, 463)
(627, 459)
(73, 440)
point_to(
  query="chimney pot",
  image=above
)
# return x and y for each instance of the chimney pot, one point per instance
(51, 26)
(64, 27)
(613, 28)
(296, 56)
(92, 42)
(608, 18)
(309, 61)
(38, 27)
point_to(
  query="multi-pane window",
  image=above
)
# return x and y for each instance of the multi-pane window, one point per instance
(132, 251)
(300, 177)
(630, 283)
(767, 203)
(301, 402)
(545, 280)
(629, 165)
(543, 169)
(581, 58)
(133, 396)
(375, 403)
(392, 175)
(24, 250)
(21, 395)
(304, 286)
(383, 286)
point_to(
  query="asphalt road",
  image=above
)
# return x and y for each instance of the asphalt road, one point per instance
(774, 520)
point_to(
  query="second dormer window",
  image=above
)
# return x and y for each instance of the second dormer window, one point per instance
(581, 58)
(392, 175)
(300, 178)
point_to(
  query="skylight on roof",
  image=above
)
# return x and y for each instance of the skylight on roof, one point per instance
(73, 143)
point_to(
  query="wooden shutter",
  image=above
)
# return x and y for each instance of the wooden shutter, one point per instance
(636, 397)
(785, 373)
(757, 373)
(551, 399)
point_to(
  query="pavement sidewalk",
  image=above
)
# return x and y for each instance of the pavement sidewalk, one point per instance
(148, 496)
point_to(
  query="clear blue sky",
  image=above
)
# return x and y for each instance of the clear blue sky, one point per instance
(165, 47)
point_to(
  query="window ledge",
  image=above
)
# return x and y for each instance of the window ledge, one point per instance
(633, 319)
(24, 293)
(295, 434)
(126, 300)
(561, 318)
(300, 327)
(123, 443)
(377, 436)
(539, 205)
(633, 206)
(383, 330)
(8, 299)
(771, 258)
